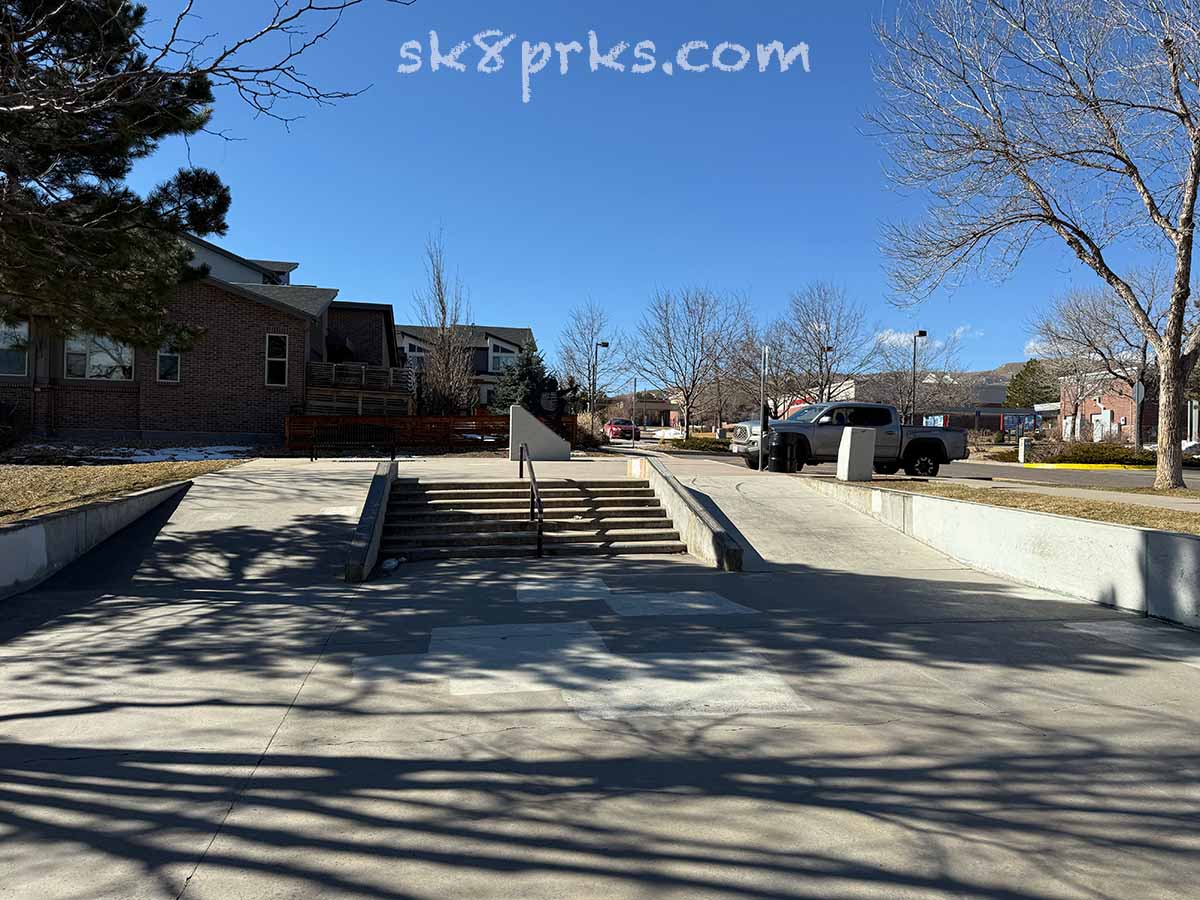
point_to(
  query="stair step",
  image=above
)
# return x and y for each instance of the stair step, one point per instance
(407, 529)
(517, 494)
(529, 537)
(487, 504)
(404, 485)
(483, 551)
(423, 516)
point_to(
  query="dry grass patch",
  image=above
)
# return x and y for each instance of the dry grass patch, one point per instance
(28, 491)
(1097, 510)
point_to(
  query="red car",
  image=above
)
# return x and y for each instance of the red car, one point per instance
(622, 428)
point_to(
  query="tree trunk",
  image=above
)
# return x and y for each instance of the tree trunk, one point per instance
(1170, 401)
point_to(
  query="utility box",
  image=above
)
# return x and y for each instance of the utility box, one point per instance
(856, 454)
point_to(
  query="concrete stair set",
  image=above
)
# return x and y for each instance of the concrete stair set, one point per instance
(454, 519)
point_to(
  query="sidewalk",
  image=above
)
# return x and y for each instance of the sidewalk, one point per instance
(1184, 504)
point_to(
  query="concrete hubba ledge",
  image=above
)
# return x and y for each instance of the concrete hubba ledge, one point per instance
(525, 428)
(363, 551)
(1156, 573)
(34, 549)
(706, 539)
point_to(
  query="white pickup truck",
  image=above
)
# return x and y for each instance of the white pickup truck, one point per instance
(919, 450)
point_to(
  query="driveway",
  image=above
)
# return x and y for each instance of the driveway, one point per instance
(201, 709)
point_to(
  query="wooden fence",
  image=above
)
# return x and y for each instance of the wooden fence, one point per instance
(431, 432)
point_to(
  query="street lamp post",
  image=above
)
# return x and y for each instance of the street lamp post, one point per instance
(595, 379)
(762, 406)
(912, 416)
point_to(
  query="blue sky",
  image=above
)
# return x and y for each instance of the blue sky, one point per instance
(605, 184)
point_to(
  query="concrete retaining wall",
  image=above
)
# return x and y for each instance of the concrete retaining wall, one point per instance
(34, 549)
(1156, 573)
(706, 539)
(363, 551)
(544, 444)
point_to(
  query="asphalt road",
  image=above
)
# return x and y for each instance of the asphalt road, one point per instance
(1069, 477)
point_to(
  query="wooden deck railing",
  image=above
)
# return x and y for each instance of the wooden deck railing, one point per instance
(361, 377)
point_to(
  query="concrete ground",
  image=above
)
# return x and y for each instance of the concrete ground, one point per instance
(200, 709)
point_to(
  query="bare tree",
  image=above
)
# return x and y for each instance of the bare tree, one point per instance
(681, 342)
(830, 340)
(742, 368)
(1095, 325)
(595, 369)
(1032, 118)
(941, 382)
(261, 66)
(447, 385)
(1079, 378)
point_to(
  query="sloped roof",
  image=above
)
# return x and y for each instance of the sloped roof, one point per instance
(477, 335)
(304, 298)
(276, 265)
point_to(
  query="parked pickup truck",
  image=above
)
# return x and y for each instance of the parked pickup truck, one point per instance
(916, 449)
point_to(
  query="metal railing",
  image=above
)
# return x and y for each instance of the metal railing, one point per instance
(537, 512)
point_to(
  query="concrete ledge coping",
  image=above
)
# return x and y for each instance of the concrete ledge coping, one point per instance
(31, 550)
(363, 551)
(705, 537)
(1155, 573)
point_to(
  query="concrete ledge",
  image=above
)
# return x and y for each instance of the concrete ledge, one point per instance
(34, 549)
(1156, 573)
(363, 552)
(706, 539)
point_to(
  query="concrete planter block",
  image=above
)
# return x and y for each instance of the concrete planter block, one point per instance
(525, 428)
(856, 455)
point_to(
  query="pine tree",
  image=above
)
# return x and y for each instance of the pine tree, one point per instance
(1032, 384)
(524, 382)
(76, 244)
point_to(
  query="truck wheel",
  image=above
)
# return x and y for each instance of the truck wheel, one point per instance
(922, 464)
(751, 460)
(887, 468)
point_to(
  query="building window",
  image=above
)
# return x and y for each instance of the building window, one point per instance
(168, 364)
(14, 349)
(277, 361)
(502, 358)
(93, 356)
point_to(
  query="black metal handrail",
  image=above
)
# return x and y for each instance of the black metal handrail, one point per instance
(537, 512)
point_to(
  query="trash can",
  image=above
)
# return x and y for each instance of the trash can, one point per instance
(777, 449)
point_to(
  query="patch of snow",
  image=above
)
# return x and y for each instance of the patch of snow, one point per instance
(174, 454)
(668, 434)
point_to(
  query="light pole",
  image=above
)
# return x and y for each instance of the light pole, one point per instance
(913, 415)
(595, 378)
(762, 407)
(826, 375)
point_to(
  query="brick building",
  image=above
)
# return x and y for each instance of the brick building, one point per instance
(266, 349)
(1099, 407)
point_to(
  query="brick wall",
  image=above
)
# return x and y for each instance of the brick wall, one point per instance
(1112, 398)
(366, 331)
(222, 386)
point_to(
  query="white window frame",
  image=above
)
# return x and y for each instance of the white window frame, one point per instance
(178, 366)
(267, 360)
(492, 342)
(24, 374)
(87, 361)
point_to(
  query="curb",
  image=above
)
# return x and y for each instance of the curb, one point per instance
(31, 550)
(1086, 466)
(363, 552)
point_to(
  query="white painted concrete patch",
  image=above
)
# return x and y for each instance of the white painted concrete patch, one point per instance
(571, 658)
(1157, 640)
(683, 603)
(630, 603)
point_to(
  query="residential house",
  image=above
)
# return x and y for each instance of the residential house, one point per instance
(267, 347)
(493, 349)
